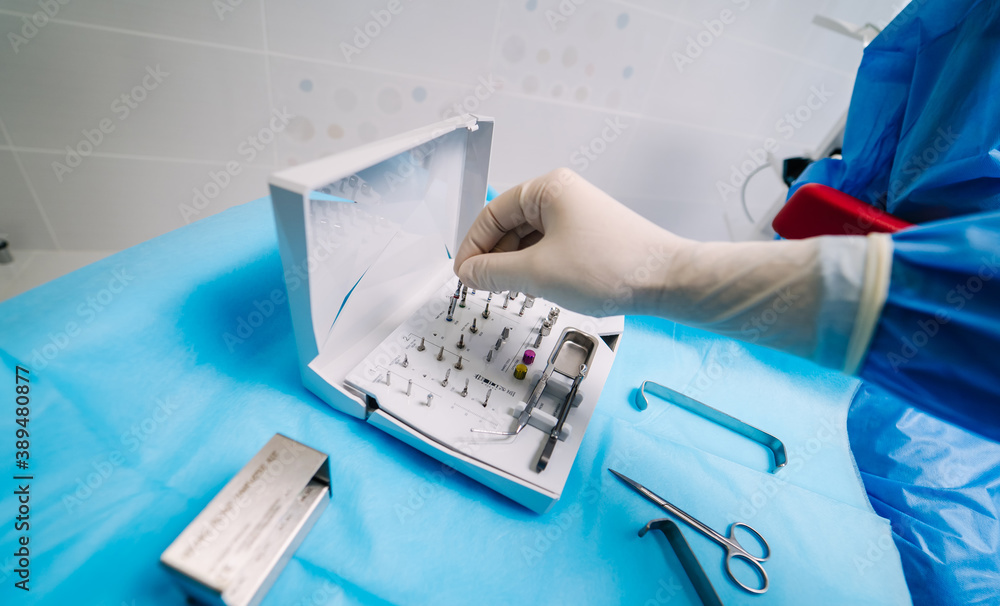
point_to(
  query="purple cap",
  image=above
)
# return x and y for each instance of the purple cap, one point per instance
(529, 356)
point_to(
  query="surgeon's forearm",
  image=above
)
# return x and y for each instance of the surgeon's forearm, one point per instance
(559, 237)
(813, 298)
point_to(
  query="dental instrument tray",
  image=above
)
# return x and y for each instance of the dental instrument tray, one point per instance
(497, 385)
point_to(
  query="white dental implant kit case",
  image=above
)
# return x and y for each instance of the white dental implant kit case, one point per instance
(500, 386)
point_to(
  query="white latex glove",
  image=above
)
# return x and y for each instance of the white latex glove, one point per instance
(561, 238)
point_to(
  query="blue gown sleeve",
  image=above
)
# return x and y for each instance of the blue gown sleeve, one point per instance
(922, 142)
(937, 344)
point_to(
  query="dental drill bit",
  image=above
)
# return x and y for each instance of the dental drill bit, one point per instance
(505, 333)
(388, 377)
(465, 391)
(447, 374)
(406, 361)
(458, 365)
(487, 400)
(451, 309)
(421, 346)
(441, 354)
(489, 356)
(473, 329)
(486, 310)
(461, 342)
(430, 398)
(506, 301)
(499, 344)
(409, 386)
(538, 340)
(465, 291)
(524, 305)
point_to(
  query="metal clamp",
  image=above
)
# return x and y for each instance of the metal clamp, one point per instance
(716, 416)
(696, 574)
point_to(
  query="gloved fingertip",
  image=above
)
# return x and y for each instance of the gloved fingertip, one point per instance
(495, 271)
(467, 274)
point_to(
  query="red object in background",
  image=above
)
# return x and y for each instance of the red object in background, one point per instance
(818, 210)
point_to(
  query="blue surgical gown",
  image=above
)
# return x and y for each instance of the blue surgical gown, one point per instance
(923, 143)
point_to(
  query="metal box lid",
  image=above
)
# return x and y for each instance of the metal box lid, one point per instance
(234, 550)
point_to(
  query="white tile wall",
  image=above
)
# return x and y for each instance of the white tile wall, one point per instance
(602, 55)
(200, 104)
(130, 200)
(448, 40)
(209, 22)
(553, 81)
(524, 146)
(22, 219)
(727, 87)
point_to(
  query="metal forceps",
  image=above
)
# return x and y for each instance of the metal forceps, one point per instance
(734, 551)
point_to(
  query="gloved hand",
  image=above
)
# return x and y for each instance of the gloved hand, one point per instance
(561, 238)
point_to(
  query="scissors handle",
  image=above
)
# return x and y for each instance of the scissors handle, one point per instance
(736, 551)
(754, 564)
(735, 542)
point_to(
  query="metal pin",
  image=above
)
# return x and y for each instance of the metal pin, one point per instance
(506, 301)
(451, 309)
(465, 291)
(461, 341)
(406, 361)
(489, 356)
(489, 297)
(538, 340)
(505, 333)
(487, 400)
(524, 305)
(430, 397)
(486, 310)
(458, 365)
(421, 346)
(441, 354)
(465, 391)
(447, 374)
(473, 329)
(409, 386)
(499, 344)
(388, 376)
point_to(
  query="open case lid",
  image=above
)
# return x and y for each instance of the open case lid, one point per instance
(364, 232)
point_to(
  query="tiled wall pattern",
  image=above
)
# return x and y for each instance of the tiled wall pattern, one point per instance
(123, 119)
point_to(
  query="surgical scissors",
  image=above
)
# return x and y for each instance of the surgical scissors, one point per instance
(734, 551)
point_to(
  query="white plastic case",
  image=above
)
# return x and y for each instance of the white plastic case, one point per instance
(366, 240)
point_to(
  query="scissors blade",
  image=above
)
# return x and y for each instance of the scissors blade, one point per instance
(649, 494)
